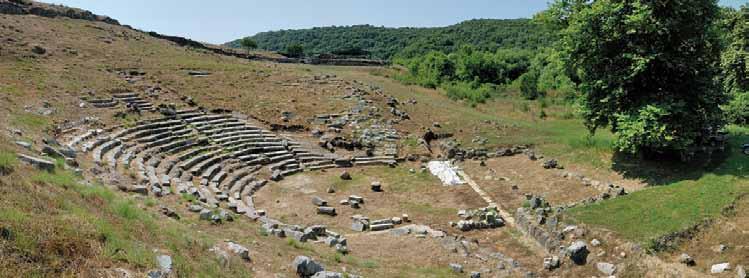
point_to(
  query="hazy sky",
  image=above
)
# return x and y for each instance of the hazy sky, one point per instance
(220, 21)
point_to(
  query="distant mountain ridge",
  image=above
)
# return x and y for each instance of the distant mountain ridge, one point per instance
(387, 43)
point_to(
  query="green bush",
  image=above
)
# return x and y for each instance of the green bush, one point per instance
(470, 92)
(431, 69)
(529, 85)
(295, 50)
(737, 110)
(7, 162)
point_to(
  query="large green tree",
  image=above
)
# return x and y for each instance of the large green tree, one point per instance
(646, 68)
(248, 43)
(735, 64)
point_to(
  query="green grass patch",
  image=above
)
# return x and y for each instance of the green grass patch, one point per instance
(436, 272)
(119, 246)
(651, 213)
(648, 214)
(359, 262)
(60, 178)
(97, 191)
(10, 90)
(10, 214)
(127, 210)
(32, 121)
(8, 161)
(189, 198)
(297, 245)
(150, 202)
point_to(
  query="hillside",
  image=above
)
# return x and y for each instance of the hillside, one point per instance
(385, 43)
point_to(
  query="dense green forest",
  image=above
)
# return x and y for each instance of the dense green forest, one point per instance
(642, 91)
(387, 43)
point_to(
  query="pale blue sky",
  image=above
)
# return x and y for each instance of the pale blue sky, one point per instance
(225, 20)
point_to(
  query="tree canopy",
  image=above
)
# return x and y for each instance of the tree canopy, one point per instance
(735, 64)
(646, 69)
(386, 43)
(248, 43)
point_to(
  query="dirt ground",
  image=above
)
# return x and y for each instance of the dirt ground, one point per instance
(500, 174)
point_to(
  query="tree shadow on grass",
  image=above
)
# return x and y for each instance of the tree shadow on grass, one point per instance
(665, 170)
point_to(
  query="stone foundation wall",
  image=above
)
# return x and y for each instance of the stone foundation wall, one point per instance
(545, 230)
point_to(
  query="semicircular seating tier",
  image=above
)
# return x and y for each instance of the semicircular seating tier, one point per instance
(216, 157)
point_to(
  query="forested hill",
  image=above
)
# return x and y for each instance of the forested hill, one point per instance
(385, 43)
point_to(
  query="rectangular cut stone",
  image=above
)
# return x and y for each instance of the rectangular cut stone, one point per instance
(381, 227)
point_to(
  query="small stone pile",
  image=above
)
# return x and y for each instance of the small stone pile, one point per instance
(362, 223)
(308, 268)
(483, 218)
(318, 233)
(322, 206)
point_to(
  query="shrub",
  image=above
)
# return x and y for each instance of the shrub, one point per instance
(294, 50)
(529, 85)
(7, 162)
(737, 110)
(472, 93)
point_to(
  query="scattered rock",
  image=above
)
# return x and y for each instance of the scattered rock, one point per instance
(319, 201)
(157, 274)
(306, 267)
(720, 268)
(240, 250)
(169, 212)
(39, 50)
(376, 186)
(326, 210)
(355, 198)
(122, 273)
(457, 268)
(198, 73)
(475, 274)
(551, 263)
(277, 175)
(329, 274)
(6, 233)
(195, 208)
(551, 164)
(595, 242)
(41, 164)
(740, 272)
(578, 252)
(24, 145)
(606, 268)
(720, 248)
(686, 259)
(345, 175)
(205, 214)
(165, 263)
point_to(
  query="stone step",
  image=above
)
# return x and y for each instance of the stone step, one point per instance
(125, 95)
(282, 164)
(190, 163)
(103, 149)
(321, 167)
(374, 162)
